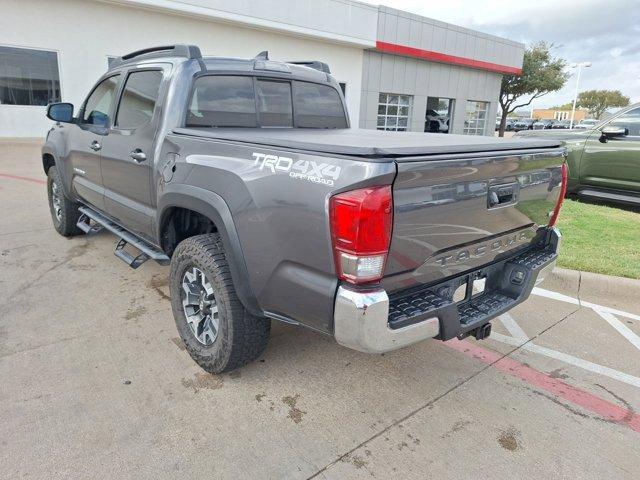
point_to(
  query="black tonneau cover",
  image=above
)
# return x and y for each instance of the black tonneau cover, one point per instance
(368, 143)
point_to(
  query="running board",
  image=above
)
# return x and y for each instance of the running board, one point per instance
(609, 195)
(147, 250)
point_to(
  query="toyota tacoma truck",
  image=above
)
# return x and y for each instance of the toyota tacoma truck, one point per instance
(245, 177)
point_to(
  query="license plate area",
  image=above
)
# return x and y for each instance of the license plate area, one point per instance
(471, 287)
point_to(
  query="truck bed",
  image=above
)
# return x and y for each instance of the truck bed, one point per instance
(369, 144)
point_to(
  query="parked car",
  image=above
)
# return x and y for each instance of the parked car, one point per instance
(244, 176)
(437, 122)
(508, 126)
(543, 124)
(603, 161)
(561, 125)
(524, 124)
(587, 124)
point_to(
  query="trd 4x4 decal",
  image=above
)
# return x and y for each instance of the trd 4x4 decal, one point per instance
(314, 172)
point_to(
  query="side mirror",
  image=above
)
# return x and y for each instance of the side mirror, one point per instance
(60, 112)
(614, 131)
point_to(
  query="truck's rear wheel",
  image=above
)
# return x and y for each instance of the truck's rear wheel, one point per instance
(218, 332)
(64, 212)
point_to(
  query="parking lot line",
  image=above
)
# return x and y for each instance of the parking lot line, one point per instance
(569, 359)
(620, 327)
(607, 410)
(541, 292)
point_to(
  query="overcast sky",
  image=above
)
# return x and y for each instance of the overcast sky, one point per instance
(604, 32)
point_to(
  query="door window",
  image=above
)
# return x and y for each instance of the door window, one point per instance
(476, 117)
(394, 112)
(630, 121)
(96, 108)
(138, 99)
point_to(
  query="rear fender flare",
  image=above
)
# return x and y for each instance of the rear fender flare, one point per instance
(212, 206)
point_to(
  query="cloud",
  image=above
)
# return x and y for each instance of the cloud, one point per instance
(604, 32)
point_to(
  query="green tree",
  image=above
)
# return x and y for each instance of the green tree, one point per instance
(541, 73)
(564, 106)
(599, 101)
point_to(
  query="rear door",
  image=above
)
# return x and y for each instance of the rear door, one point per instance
(615, 163)
(86, 140)
(128, 155)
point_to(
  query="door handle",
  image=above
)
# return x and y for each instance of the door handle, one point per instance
(138, 155)
(95, 146)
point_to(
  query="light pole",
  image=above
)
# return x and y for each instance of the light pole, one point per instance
(579, 66)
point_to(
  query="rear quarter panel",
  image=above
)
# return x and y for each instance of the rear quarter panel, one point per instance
(281, 216)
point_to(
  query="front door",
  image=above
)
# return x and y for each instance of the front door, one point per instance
(615, 163)
(128, 155)
(86, 138)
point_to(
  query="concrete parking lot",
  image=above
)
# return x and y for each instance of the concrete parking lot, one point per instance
(96, 382)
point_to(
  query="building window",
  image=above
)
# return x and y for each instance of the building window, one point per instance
(439, 114)
(28, 77)
(475, 118)
(394, 112)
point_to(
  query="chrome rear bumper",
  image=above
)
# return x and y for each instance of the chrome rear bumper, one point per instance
(362, 323)
(362, 317)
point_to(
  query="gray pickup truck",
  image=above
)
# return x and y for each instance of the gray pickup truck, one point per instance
(245, 176)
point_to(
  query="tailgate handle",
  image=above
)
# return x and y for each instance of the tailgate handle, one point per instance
(503, 195)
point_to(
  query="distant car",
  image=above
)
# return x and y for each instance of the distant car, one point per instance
(587, 124)
(524, 124)
(543, 124)
(508, 127)
(561, 125)
(604, 160)
(437, 122)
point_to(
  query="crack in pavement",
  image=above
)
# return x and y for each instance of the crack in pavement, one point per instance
(449, 391)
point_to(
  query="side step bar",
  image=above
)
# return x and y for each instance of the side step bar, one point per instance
(147, 250)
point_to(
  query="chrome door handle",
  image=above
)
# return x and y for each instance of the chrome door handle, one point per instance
(138, 155)
(95, 146)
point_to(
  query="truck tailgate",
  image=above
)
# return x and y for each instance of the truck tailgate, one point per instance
(453, 214)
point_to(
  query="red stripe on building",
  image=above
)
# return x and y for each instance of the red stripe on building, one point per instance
(588, 401)
(442, 58)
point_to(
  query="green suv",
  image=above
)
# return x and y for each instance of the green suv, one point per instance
(604, 161)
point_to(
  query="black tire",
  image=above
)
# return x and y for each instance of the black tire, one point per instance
(241, 337)
(66, 219)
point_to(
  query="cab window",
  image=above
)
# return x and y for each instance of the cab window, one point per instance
(96, 108)
(138, 99)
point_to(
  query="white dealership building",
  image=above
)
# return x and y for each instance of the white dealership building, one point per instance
(399, 71)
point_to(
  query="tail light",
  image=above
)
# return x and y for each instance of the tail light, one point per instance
(563, 192)
(360, 232)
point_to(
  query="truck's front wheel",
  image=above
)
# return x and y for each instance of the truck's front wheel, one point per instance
(64, 212)
(219, 333)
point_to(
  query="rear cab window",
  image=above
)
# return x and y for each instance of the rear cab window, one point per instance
(247, 101)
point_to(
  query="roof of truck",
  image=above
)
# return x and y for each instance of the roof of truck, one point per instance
(231, 64)
(368, 143)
